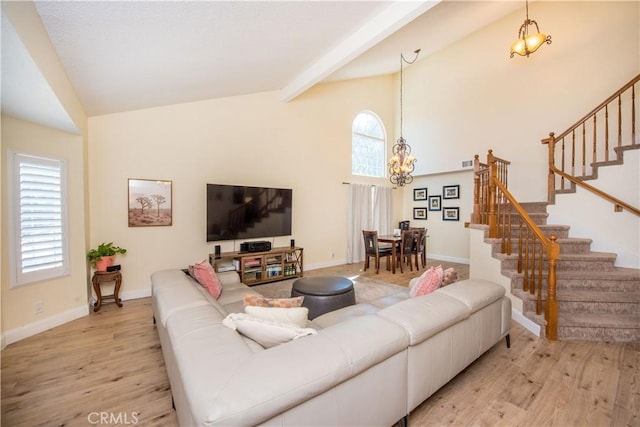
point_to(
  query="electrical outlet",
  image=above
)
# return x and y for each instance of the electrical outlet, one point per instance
(332, 255)
(38, 307)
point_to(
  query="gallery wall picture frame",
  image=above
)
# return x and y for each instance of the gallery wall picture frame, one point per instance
(419, 213)
(451, 214)
(435, 203)
(150, 203)
(451, 192)
(419, 194)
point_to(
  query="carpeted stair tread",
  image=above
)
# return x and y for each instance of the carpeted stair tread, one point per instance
(624, 321)
(590, 256)
(595, 256)
(617, 273)
(567, 245)
(596, 299)
(587, 296)
(595, 296)
(535, 207)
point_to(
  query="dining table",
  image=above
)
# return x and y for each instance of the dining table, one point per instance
(394, 240)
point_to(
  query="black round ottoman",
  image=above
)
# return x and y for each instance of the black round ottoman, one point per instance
(324, 294)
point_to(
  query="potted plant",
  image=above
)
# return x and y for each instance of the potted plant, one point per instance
(102, 256)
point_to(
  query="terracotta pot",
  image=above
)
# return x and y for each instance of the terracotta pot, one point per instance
(104, 262)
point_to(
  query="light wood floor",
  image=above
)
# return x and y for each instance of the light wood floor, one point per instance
(110, 364)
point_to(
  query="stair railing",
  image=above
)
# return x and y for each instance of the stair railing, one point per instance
(495, 206)
(587, 137)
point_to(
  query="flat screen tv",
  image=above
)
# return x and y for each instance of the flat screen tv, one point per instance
(240, 212)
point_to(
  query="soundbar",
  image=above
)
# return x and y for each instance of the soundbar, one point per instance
(259, 246)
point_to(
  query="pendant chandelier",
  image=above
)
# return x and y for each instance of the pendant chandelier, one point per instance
(527, 43)
(402, 162)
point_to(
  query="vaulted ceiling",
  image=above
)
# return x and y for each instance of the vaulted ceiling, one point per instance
(129, 55)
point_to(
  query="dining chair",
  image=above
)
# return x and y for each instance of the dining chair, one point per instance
(424, 248)
(406, 249)
(373, 249)
(420, 247)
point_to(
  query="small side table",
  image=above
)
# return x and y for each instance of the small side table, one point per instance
(106, 276)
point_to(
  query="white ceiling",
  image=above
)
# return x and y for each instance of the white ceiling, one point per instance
(128, 55)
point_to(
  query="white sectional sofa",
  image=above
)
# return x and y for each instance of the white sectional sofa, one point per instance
(368, 365)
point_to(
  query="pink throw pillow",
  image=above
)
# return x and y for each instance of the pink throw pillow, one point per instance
(428, 282)
(207, 278)
(259, 301)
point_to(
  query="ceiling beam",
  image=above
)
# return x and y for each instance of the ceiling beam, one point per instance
(391, 19)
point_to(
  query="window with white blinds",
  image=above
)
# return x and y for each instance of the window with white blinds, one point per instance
(40, 219)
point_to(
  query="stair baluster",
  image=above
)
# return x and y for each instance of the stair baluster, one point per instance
(624, 100)
(495, 205)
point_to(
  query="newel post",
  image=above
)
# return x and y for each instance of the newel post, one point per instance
(551, 179)
(551, 308)
(475, 216)
(493, 176)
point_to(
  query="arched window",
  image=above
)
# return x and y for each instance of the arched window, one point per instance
(368, 142)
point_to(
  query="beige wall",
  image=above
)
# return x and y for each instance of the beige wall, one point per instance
(472, 97)
(448, 240)
(246, 140)
(459, 102)
(66, 296)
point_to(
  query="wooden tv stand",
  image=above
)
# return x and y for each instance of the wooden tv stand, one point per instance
(255, 268)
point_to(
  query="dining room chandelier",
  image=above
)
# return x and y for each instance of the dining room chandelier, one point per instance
(401, 164)
(527, 43)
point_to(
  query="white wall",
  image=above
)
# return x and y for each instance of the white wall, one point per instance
(471, 97)
(591, 217)
(246, 140)
(448, 240)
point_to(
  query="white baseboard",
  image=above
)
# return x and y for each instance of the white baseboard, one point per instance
(140, 293)
(448, 258)
(34, 328)
(331, 263)
(526, 323)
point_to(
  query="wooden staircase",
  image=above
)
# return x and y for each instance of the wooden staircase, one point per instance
(574, 292)
(596, 300)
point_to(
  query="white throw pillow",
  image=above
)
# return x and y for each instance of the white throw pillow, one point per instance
(267, 334)
(298, 316)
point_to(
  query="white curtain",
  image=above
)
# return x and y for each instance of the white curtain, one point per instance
(369, 208)
(359, 206)
(382, 210)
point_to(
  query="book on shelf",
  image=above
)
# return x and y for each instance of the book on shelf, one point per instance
(226, 266)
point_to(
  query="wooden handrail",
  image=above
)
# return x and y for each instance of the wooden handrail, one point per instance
(582, 142)
(618, 204)
(600, 107)
(494, 206)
